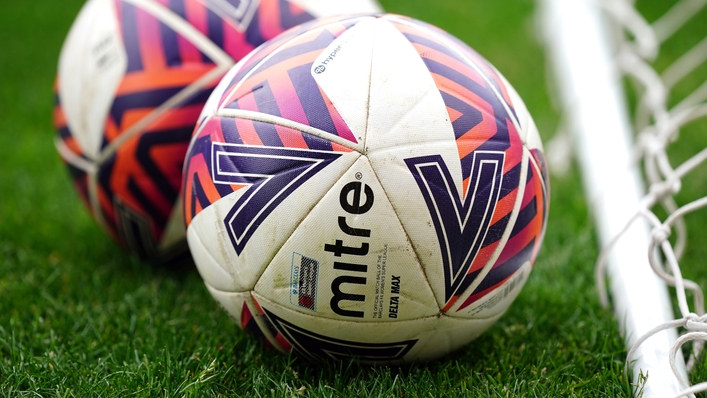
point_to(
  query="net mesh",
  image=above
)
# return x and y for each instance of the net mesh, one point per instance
(670, 96)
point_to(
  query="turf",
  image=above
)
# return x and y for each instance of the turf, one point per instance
(80, 317)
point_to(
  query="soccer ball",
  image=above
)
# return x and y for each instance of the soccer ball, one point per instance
(133, 77)
(368, 188)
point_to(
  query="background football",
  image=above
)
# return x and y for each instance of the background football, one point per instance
(370, 187)
(133, 77)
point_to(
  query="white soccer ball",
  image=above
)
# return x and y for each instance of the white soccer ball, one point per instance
(365, 187)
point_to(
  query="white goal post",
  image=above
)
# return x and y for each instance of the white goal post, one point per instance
(587, 66)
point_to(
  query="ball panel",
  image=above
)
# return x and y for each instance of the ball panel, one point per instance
(438, 47)
(485, 128)
(479, 128)
(417, 115)
(523, 242)
(388, 343)
(473, 110)
(91, 65)
(252, 188)
(456, 233)
(350, 258)
(401, 188)
(491, 76)
(479, 115)
(282, 84)
(256, 57)
(343, 72)
(448, 334)
(510, 216)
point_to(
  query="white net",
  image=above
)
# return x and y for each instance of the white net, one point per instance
(667, 101)
(643, 171)
(658, 120)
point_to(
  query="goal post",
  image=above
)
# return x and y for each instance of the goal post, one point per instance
(577, 39)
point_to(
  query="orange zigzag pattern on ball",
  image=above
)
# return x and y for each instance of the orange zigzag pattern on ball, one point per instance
(470, 88)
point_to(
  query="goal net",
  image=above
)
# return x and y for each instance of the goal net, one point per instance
(633, 89)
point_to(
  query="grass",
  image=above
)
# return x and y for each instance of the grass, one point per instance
(80, 317)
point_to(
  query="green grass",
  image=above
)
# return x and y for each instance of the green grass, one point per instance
(79, 317)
